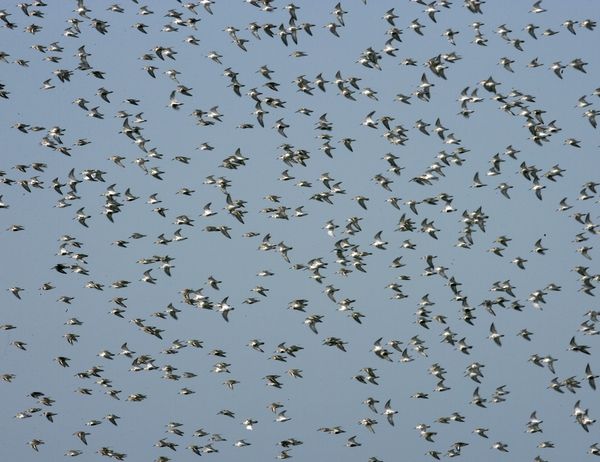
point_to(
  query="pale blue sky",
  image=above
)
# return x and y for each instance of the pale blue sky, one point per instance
(326, 396)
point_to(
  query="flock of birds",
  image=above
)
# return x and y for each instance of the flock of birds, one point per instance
(342, 298)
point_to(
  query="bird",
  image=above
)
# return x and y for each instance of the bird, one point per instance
(495, 336)
(430, 10)
(500, 446)
(481, 432)
(34, 443)
(15, 291)
(478, 400)
(380, 351)
(62, 360)
(539, 248)
(580, 348)
(112, 418)
(476, 182)
(225, 308)
(352, 443)
(361, 201)
(525, 334)
(148, 278)
(81, 217)
(281, 417)
(590, 377)
(389, 412)
(519, 262)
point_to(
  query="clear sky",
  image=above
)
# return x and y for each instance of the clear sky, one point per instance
(528, 104)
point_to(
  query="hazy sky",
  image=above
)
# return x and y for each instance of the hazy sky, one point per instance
(480, 127)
